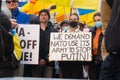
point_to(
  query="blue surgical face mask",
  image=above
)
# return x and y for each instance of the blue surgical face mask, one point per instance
(65, 28)
(98, 24)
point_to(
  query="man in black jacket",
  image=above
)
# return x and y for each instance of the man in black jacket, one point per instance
(45, 29)
(110, 69)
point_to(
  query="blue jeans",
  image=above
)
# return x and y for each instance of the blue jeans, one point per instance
(110, 69)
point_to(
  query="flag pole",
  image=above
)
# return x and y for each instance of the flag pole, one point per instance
(71, 6)
(99, 6)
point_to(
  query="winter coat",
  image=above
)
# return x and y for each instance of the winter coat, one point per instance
(21, 17)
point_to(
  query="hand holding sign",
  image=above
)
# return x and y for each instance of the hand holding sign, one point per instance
(42, 62)
(70, 46)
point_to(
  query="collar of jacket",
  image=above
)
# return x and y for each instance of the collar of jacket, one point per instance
(49, 25)
(15, 12)
(76, 30)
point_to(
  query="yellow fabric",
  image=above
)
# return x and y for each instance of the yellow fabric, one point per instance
(86, 4)
(63, 8)
(96, 41)
(88, 18)
(17, 47)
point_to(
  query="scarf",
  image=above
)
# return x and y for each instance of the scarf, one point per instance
(96, 41)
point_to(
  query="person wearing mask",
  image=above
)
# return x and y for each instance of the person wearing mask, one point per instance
(19, 17)
(72, 69)
(64, 25)
(95, 64)
(44, 67)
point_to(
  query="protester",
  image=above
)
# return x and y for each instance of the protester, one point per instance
(58, 27)
(95, 65)
(6, 46)
(110, 67)
(82, 26)
(44, 68)
(27, 67)
(17, 18)
(72, 69)
(34, 19)
(20, 17)
(56, 70)
(64, 25)
(55, 25)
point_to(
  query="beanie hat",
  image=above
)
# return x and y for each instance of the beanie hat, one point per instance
(46, 11)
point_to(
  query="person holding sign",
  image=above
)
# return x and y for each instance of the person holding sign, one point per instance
(72, 69)
(44, 67)
(95, 65)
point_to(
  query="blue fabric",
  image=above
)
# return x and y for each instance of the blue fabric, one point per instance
(13, 31)
(21, 17)
(21, 4)
(85, 11)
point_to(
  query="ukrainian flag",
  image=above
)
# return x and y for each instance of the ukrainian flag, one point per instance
(85, 8)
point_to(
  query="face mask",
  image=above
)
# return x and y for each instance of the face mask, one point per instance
(73, 24)
(98, 24)
(65, 28)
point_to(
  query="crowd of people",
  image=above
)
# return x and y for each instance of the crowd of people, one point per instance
(98, 68)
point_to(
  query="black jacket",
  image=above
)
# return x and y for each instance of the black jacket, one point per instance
(4, 21)
(6, 42)
(45, 41)
(110, 3)
(112, 34)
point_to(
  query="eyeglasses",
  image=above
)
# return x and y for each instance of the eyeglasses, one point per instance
(11, 1)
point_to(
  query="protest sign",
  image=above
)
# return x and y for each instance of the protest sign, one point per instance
(70, 46)
(29, 41)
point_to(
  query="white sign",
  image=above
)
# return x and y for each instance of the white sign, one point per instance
(29, 40)
(70, 46)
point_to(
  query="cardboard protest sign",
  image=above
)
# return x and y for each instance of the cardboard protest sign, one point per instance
(70, 46)
(29, 41)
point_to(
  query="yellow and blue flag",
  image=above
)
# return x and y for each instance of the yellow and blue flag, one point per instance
(85, 8)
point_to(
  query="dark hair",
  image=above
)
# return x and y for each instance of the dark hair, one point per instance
(75, 15)
(34, 19)
(46, 11)
(96, 14)
(64, 22)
